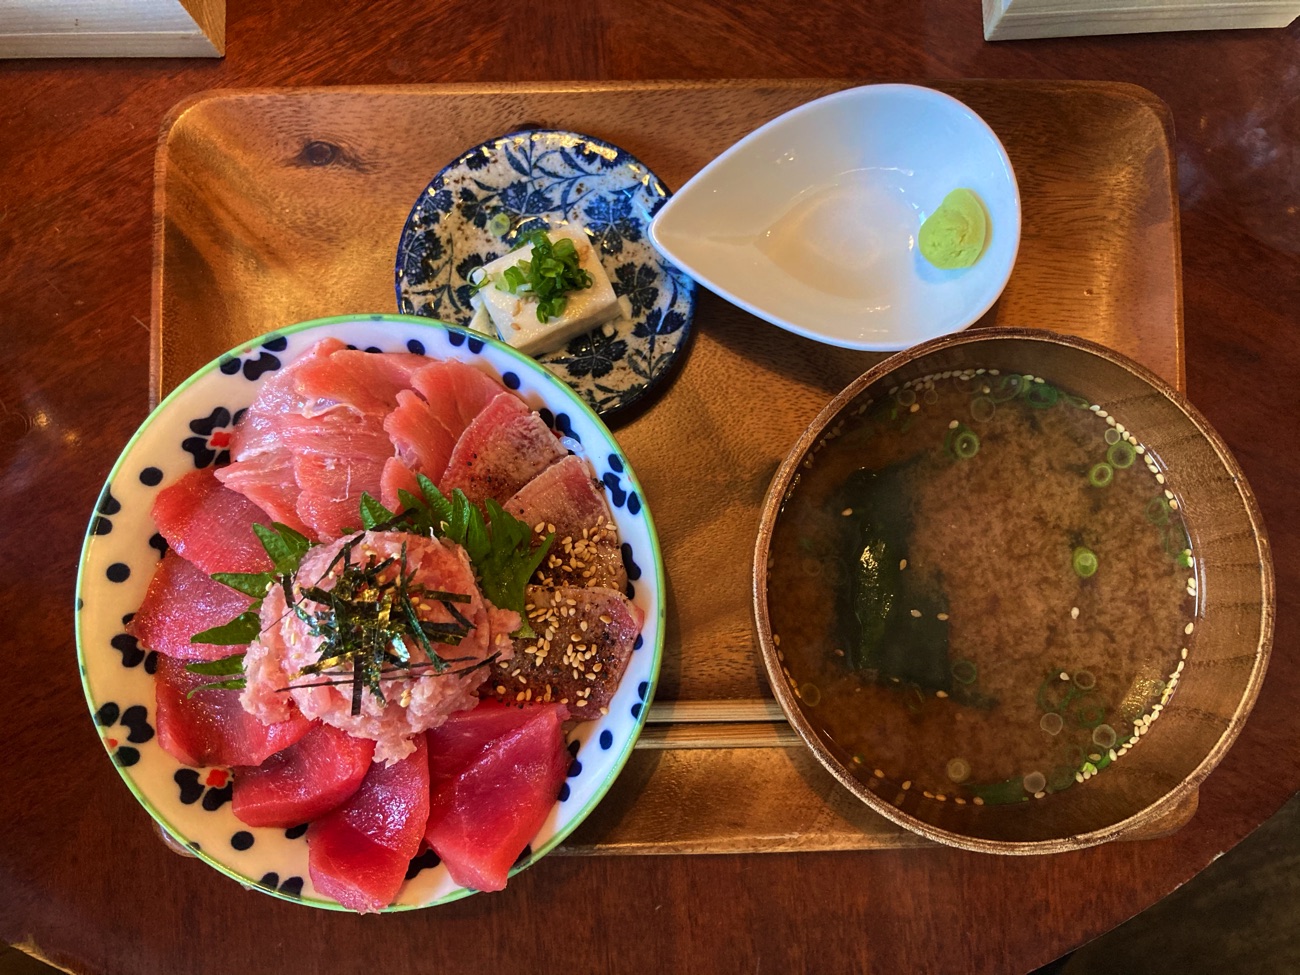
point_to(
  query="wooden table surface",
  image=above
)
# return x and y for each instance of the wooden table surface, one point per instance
(84, 880)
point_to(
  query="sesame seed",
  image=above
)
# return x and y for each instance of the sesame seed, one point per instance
(907, 785)
(846, 512)
(940, 693)
(916, 613)
(1074, 612)
(1078, 777)
(953, 425)
(978, 801)
(927, 794)
(1183, 653)
(941, 797)
(914, 408)
(878, 773)
(1064, 676)
(902, 564)
(942, 616)
(1188, 628)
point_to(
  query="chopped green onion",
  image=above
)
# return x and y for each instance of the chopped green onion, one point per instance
(1078, 402)
(1035, 782)
(550, 273)
(810, 695)
(1121, 455)
(964, 672)
(1041, 395)
(1101, 475)
(1111, 435)
(982, 409)
(1085, 562)
(958, 770)
(499, 224)
(1091, 711)
(1060, 778)
(1085, 679)
(1103, 736)
(1158, 511)
(1008, 387)
(1185, 558)
(962, 442)
(1052, 723)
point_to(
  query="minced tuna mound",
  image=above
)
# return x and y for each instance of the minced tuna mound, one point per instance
(413, 704)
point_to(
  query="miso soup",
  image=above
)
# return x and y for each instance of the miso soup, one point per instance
(982, 588)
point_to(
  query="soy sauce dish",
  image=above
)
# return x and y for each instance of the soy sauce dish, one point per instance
(874, 218)
(1014, 593)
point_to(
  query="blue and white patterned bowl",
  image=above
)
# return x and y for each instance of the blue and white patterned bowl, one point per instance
(544, 179)
(190, 429)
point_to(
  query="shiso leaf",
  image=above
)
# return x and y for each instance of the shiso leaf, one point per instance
(242, 630)
(285, 546)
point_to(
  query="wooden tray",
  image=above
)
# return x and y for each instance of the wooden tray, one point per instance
(277, 206)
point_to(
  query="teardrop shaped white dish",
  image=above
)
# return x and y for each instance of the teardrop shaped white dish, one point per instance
(811, 221)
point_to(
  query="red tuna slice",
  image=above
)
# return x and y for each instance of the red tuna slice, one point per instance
(496, 806)
(183, 600)
(211, 525)
(566, 500)
(504, 448)
(314, 775)
(258, 430)
(396, 477)
(364, 381)
(588, 635)
(212, 727)
(336, 457)
(456, 392)
(460, 740)
(266, 479)
(423, 441)
(359, 853)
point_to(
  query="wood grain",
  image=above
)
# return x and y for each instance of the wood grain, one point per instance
(246, 212)
(84, 881)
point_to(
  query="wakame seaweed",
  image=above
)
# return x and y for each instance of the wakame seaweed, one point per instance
(880, 601)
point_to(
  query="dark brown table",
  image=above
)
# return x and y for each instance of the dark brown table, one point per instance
(84, 880)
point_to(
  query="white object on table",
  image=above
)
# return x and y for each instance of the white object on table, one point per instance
(1009, 20)
(810, 222)
(112, 28)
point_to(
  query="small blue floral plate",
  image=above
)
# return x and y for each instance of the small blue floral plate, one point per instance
(477, 209)
(191, 429)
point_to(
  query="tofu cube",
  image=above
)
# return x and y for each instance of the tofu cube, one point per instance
(515, 316)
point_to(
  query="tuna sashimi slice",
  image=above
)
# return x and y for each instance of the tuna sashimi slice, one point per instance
(211, 525)
(496, 806)
(182, 600)
(336, 457)
(456, 392)
(359, 853)
(266, 479)
(212, 728)
(504, 448)
(566, 500)
(462, 739)
(362, 381)
(314, 775)
(583, 651)
(423, 442)
(258, 431)
(396, 477)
